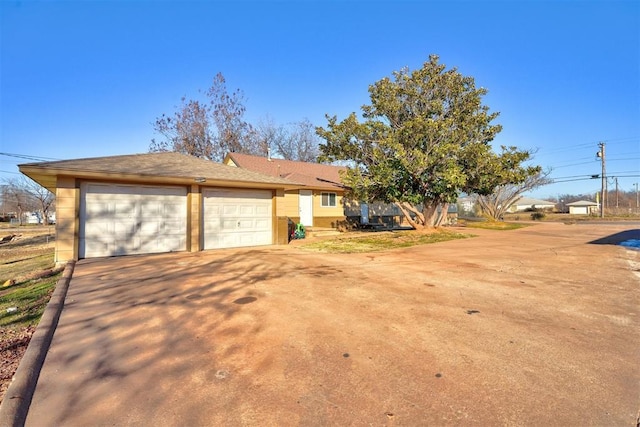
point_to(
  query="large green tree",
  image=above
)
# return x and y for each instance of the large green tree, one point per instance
(423, 140)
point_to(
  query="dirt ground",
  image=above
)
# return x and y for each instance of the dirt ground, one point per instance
(536, 326)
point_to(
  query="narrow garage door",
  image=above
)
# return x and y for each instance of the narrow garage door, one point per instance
(234, 218)
(130, 219)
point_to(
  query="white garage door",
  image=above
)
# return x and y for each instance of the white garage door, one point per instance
(235, 218)
(129, 219)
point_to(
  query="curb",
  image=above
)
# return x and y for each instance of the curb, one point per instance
(17, 399)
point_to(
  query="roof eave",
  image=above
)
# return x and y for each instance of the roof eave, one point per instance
(47, 177)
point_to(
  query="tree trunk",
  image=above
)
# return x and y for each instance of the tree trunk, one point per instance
(405, 209)
(430, 211)
(444, 213)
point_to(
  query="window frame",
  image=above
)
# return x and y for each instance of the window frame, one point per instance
(329, 195)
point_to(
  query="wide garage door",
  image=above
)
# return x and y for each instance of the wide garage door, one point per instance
(234, 218)
(120, 219)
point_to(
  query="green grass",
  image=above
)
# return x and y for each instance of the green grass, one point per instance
(24, 262)
(30, 298)
(374, 242)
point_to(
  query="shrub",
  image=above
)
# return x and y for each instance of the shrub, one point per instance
(537, 216)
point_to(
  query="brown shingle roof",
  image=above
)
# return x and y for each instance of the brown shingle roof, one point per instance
(313, 175)
(168, 165)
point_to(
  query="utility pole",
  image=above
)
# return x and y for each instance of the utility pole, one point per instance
(616, 193)
(603, 191)
(637, 198)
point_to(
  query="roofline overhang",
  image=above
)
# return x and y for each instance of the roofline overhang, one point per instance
(47, 177)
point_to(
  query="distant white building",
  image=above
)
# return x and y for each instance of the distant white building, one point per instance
(583, 207)
(524, 203)
(466, 204)
(37, 218)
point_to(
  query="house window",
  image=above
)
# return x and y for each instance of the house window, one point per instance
(328, 200)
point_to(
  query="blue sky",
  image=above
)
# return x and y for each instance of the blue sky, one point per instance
(88, 78)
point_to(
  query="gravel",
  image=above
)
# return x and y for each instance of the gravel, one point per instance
(13, 344)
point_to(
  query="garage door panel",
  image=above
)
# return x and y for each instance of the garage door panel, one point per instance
(125, 229)
(228, 209)
(99, 229)
(171, 209)
(247, 224)
(247, 210)
(153, 209)
(150, 228)
(160, 245)
(125, 208)
(96, 209)
(174, 228)
(262, 224)
(212, 226)
(262, 211)
(235, 218)
(129, 219)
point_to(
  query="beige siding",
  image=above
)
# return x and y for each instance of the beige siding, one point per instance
(194, 219)
(67, 208)
(324, 211)
(291, 203)
(322, 216)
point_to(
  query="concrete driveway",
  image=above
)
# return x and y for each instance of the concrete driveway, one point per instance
(528, 327)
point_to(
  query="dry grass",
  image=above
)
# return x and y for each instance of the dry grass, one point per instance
(374, 242)
(493, 225)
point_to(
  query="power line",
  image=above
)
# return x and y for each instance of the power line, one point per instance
(588, 144)
(574, 179)
(623, 176)
(27, 156)
(573, 164)
(575, 176)
(623, 159)
(580, 159)
(592, 143)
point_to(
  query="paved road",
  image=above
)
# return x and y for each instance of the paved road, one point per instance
(535, 326)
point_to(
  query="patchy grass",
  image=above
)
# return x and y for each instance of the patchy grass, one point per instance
(29, 299)
(27, 274)
(495, 225)
(374, 242)
(19, 268)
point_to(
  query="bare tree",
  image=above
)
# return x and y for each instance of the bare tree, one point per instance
(234, 133)
(302, 143)
(24, 195)
(208, 129)
(270, 135)
(496, 204)
(188, 131)
(298, 141)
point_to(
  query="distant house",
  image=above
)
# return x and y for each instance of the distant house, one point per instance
(466, 204)
(583, 207)
(524, 203)
(318, 199)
